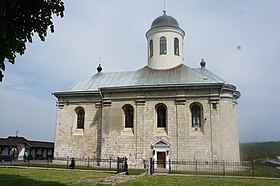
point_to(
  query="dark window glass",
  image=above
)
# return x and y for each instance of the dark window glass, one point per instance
(161, 116)
(163, 49)
(151, 48)
(80, 119)
(176, 46)
(128, 111)
(196, 116)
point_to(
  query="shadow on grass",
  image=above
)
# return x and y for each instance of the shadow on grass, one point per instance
(16, 180)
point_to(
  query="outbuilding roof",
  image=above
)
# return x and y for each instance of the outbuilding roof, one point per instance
(147, 77)
(16, 140)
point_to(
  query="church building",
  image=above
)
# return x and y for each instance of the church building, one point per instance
(165, 110)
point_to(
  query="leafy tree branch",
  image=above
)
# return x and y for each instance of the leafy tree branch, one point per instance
(20, 20)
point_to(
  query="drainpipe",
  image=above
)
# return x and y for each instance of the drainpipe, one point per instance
(101, 130)
(211, 132)
(220, 124)
(177, 140)
(135, 125)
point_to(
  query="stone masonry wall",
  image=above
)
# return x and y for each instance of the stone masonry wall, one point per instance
(104, 134)
(229, 139)
(215, 140)
(73, 142)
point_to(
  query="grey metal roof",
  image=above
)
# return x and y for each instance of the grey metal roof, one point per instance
(165, 20)
(41, 144)
(147, 77)
(15, 140)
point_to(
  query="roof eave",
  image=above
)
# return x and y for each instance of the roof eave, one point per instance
(222, 85)
(164, 86)
(71, 92)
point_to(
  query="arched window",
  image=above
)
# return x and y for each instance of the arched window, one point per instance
(80, 118)
(128, 113)
(151, 48)
(161, 116)
(196, 115)
(176, 46)
(162, 44)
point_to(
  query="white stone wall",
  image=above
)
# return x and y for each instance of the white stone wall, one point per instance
(208, 143)
(73, 142)
(230, 141)
(104, 131)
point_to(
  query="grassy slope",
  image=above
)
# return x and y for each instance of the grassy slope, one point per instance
(261, 150)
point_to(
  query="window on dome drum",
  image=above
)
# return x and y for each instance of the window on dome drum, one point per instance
(162, 43)
(176, 46)
(196, 115)
(161, 116)
(80, 118)
(151, 48)
(128, 113)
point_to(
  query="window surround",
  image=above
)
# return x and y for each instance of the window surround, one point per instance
(196, 110)
(176, 46)
(151, 48)
(161, 114)
(80, 112)
(128, 111)
(163, 45)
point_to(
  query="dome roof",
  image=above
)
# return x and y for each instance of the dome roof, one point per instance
(165, 21)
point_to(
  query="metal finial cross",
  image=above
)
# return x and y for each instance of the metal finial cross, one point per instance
(100, 59)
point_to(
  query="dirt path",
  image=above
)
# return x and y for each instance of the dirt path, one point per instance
(111, 180)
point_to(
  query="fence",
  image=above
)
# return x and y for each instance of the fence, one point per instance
(110, 164)
(218, 168)
(256, 168)
(105, 164)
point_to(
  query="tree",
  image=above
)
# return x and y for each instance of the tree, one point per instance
(20, 20)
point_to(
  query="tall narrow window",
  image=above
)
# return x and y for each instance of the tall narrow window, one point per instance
(80, 118)
(176, 46)
(196, 116)
(128, 113)
(151, 48)
(162, 43)
(161, 116)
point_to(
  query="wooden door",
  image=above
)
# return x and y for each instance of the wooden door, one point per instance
(161, 156)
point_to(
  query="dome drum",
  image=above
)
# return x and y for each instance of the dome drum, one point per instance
(165, 43)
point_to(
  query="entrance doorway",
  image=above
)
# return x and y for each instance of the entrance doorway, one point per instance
(161, 157)
(161, 148)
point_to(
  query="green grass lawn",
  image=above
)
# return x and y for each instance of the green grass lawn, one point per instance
(258, 171)
(30, 177)
(199, 181)
(50, 177)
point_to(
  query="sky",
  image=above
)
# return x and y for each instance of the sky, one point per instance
(239, 40)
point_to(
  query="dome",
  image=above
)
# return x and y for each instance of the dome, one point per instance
(165, 21)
